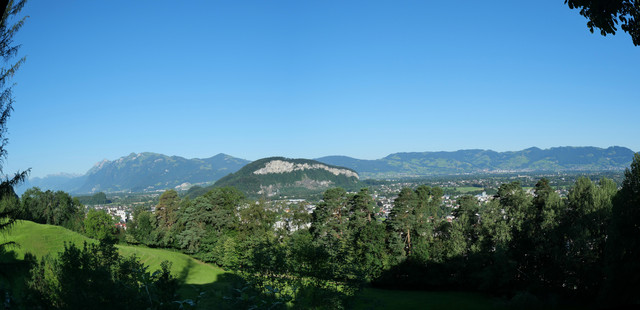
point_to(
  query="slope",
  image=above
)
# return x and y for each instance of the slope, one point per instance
(42, 239)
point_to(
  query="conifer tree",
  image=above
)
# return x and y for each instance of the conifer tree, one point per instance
(7, 52)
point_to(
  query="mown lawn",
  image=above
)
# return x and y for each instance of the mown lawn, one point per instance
(40, 240)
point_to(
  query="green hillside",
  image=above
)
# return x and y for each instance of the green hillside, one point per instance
(279, 176)
(41, 239)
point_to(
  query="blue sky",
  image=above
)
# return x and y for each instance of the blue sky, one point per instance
(313, 78)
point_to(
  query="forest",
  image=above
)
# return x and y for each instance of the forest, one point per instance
(538, 247)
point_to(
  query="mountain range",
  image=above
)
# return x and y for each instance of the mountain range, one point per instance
(142, 172)
(419, 164)
(151, 171)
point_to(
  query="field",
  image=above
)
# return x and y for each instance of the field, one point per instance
(465, 189)
(42, 239)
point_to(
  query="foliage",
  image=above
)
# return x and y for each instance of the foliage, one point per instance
(10, 9)
(606, 14)
(55, 208)
(623, 244)
(95, 199)
(97, 277)
(99, 225)
(141, 229)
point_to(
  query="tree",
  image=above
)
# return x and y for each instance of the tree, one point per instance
(166, 211)
(585, 232)
(399, 224)
(7, 52)
(97, 277)
(368, 236)
(541, 245)
(331, 235)
(166, 217)
(142, 227)
(55, 208)
(623, 246)
(606, 14)
(99, 225)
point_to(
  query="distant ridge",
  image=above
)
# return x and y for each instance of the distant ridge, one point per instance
(415, 164)
(151, 171)
(142, 172)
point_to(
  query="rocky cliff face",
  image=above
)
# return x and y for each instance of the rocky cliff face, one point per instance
(281, 166)
(279, 176)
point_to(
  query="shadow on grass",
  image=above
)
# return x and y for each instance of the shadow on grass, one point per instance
(184, 273)
(211, 295)
(13, 275)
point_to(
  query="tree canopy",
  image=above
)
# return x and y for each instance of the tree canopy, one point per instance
(7, 52)
(607, 14)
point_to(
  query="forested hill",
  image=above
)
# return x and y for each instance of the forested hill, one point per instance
(278, 176)
(478, 161)
(140, 172)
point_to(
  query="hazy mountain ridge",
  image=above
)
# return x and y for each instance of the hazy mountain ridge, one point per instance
(151, 171)
(143, 171)
(478, 161)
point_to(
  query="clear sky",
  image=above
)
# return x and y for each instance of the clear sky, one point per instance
(313, 78)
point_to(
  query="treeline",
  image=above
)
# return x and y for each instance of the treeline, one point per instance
(59, 208)
(49, 207)
(95, 199)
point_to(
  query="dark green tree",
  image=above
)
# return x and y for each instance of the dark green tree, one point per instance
(331, 216)
(166, 214)
(538, 246)
(623, 246)
(142, 227)
(368, 235)
(8, 28)
(55, 208)
(167, 209)
(209, 224)
(462, 236)
(607, 14)
(331, 236)
(400, 225)
(99, 225)
(97, 277)
(584, 227)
